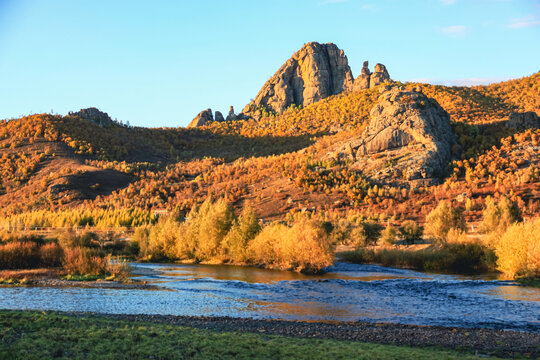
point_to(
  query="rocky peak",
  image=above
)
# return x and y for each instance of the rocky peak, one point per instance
(368, 80)
(380, 75)
(232, 115)
(94, 115)
(219, 116)
(202, 118)
(365, 69)
(313, 73)
(207, 116)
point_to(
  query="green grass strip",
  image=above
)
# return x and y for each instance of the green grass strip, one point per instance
(49, 335)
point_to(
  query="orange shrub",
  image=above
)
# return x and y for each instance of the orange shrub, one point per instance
(52, 255)
(81, 261)
(19, 255)
(303, 247)
(518, 250)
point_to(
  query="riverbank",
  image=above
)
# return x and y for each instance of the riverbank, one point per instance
(33, 334)
(56, 278)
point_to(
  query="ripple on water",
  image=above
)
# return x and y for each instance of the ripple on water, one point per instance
(348, 292)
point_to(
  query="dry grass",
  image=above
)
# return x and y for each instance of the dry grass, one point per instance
(460, 258)
(29, 274)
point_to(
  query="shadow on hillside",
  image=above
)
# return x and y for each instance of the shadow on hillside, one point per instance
(477, 139)
(92, 184)
(232, 147)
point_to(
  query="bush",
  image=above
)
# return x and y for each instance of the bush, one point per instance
(19, 255)
(83, 261)
(456, 258)
(70, 239)
(389, 235)
(365, 234)
(518, 250)
(303, 247)
(498, 217)
(443, 218)
(52, 255)
(410, 231)
(456, 236)
(243, 230)
(209, 225)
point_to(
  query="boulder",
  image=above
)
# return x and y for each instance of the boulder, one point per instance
(219, 116)
(408, 138)
(202, 118)
(315, 72)
(522, 121)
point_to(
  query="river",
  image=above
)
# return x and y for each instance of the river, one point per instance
(347, 292)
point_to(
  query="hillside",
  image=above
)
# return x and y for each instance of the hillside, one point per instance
(279, 163)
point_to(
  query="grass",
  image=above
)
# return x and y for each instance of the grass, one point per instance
(452, 258)
(529, 281)
(76, 277)
(46, 335)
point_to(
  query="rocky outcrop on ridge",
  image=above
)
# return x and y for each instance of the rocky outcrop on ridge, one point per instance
(95, 115)
(523, 121)
(219, 116)
(202, 118)
(206, 116)
(232, 116)
(313, 73)
(380, 75)
(408, 139)
(368, 80)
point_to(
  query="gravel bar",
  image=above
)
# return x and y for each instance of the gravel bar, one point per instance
(483, 341)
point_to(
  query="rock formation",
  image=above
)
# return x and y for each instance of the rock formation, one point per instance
(368, 80)
(315, 72)
(219, 116)
(95, 115)
(522, 121)
(379, 76)
(232, 115)
(410, 135)
(202, 118)
(362, 81)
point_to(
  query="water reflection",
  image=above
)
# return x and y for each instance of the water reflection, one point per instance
(347, 292)
(514, 292)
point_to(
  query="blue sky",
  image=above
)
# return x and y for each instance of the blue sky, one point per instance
(158, 63)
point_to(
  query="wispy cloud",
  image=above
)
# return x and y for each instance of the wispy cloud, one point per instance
(455, 30)
(526, 21)
(447, 2)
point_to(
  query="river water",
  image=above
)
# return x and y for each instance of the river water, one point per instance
(347, 292)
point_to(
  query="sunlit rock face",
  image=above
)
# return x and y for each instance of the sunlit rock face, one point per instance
(315, 72)
(409, 138)
(202, 118)
(368, 80)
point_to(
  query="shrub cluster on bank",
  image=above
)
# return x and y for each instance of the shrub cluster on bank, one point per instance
(76, 255)
(509, 246)
(213, 233)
